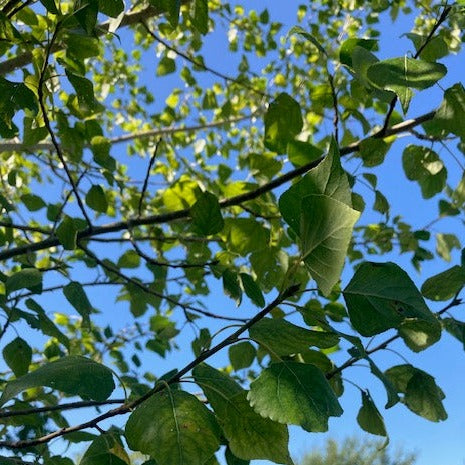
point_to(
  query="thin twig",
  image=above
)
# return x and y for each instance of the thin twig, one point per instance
(143, 287)
(147, 175)
(54, 408)
(41, 98)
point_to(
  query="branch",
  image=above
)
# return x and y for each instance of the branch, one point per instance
(128, 407)
(54, 408)
(225, 203)
(24, 59)
(15, 145)
(147, 175)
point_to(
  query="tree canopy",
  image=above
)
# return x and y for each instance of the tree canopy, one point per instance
(157, 154)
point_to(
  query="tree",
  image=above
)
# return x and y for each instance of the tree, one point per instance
(136, 185)
(355, 452)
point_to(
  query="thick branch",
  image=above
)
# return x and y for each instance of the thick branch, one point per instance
(225, 203)
(127, 407)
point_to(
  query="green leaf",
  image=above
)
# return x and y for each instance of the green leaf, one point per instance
(242, 355)
(73, 375)
(106, 449)
(369, 418)
(129, 259)
(444, 285)
(27, 278)
(445, 243)
(111, 7)
(231, 459)
(206, 214)
(456, 328)
(96, 199)
(76, 296)
(308, 36)
(300, 153)
(451, 114)
(15, 96)
(281, 337)
(327, 178)
(172, 8)
(295, 393)
(422, 395)
(84, 90)
(348, 46)
(86, 15)
(392, 397)
(374, 307)
(326, 231)
(200, 19)
(50, 5)
(381, 203)
(100, 147)
(33, 202)
(18, 356)
(424, 165)
(435, 47)
(67, 233)
(283, 121)
(246, 235)
(166, 66)
(401, 74)
(252, 290)
(174, 428)
(231, 286)
(373, 151)
(249, 435)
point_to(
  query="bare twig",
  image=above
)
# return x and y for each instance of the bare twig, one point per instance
(147, 175)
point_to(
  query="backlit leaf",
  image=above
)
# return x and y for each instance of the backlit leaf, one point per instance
(73, 375)
(167, 425)
(444, 285)
(206, 215)
(295, 393)
(369, 418)
(18, 356)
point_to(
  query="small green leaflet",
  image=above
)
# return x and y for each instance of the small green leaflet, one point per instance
(308, 36)
(249, 435)
(33, 202)
(166, 66)
(242, 355)
(252, 290)
(369, 418)
(200, 18)
(18, 356)
(444, 285)
(231, 286)
(67, 233)
(206, 215)
(167, 425)
(283, 121)
(451, 114)
(106, 449)
(401, 74)
(27, 278)
(375, 307)
(77, 297)
(422, 395)
(423, 165)
(84, 90)
(96, 199)
(348, 46)
(295, 393)
(74, 375)
(281, 337)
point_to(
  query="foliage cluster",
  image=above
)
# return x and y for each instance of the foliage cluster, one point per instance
(126, 192)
